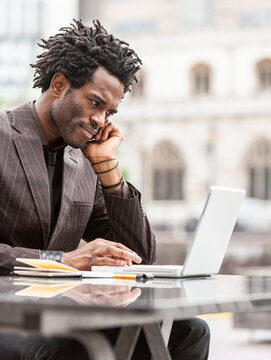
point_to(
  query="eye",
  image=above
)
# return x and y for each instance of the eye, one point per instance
(109, 113)
(94, 102)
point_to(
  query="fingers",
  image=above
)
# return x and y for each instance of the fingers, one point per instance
(99, 134)
(100, 252)
(102, 294)
(107, 131)
(120, 254)
(137, 259)
(116, 250)
(111, 291)
(128, 298)
(128, 262)
(119, 299)
(103, 260)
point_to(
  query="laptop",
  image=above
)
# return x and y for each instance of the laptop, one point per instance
(210, 241)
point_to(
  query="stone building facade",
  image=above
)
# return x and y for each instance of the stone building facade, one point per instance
(201, 112)
(201, 117)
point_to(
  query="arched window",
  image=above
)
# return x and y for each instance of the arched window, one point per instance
(200, 79)
(137, 89)
(264, 75)
(167, 173)
(259, 170)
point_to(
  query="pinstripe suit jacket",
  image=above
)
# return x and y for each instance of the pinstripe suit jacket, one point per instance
(86, 211)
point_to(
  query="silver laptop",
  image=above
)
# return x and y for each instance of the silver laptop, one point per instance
(209, 243)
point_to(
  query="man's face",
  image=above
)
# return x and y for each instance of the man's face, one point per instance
(79, 113)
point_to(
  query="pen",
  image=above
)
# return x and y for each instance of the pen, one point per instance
(133, 276)
(95, 141)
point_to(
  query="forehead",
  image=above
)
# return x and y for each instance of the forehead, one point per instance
(106, 85)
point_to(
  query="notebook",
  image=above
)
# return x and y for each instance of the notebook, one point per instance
(51, 269)
(210, 241)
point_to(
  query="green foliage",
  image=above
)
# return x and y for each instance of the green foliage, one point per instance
(125, 174)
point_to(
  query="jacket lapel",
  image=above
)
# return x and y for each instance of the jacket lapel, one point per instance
(71, 162)
(28, 144)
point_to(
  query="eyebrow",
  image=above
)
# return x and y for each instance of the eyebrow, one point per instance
(99, 98)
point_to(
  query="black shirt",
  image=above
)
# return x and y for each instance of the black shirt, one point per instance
(53, 157)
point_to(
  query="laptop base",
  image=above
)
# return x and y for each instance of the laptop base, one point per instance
(167, 271)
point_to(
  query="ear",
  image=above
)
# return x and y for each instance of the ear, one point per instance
(59, 84)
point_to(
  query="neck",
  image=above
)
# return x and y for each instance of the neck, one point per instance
(43, 108)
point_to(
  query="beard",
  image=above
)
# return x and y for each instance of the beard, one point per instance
(66, 115)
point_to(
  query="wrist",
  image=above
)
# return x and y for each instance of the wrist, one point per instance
(103, 166)
(100, 159)
(113, 187)
(111, 180)
(65, 259)
(109, 174)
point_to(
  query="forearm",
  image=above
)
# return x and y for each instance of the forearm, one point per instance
(130, 225)
(115, 216)
(109, 174)
(9, 254)
(122, 220)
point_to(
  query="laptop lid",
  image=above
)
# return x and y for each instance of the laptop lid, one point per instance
(213, 231)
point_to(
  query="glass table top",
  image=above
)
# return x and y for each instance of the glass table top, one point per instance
(155, 294)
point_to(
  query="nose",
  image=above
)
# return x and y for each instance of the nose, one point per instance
(98, 118)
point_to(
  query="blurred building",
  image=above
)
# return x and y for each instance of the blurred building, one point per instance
(201, 111)
(22, 24)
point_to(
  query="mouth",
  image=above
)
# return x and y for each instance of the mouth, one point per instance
(87, 133)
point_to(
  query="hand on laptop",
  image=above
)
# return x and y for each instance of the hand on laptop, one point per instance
(100, 252)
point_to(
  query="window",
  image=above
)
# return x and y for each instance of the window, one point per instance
(137, 89)
(264, 75)
(17, 44)
(259, 171)
(167, 173)
(200, 79)
(195, 14)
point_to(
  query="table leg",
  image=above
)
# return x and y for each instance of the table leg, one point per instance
(126, 342)
(96, 345)
(156, 341)
(166, 330)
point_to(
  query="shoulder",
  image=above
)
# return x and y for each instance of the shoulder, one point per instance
(4, 121)
(16, 120)
(4, 115)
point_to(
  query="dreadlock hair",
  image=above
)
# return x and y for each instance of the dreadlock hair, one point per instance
(77, 51)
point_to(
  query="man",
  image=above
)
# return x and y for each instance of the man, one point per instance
(59, 176)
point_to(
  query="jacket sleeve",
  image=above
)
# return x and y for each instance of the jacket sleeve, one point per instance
(9, 254)
(122, 220)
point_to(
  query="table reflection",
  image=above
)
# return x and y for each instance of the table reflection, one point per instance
(85, 294)
(103, 294)
(158, 294)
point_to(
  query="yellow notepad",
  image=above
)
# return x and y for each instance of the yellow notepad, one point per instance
(44, 264)
(50, 268)
(45, 291)
(44, 268)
